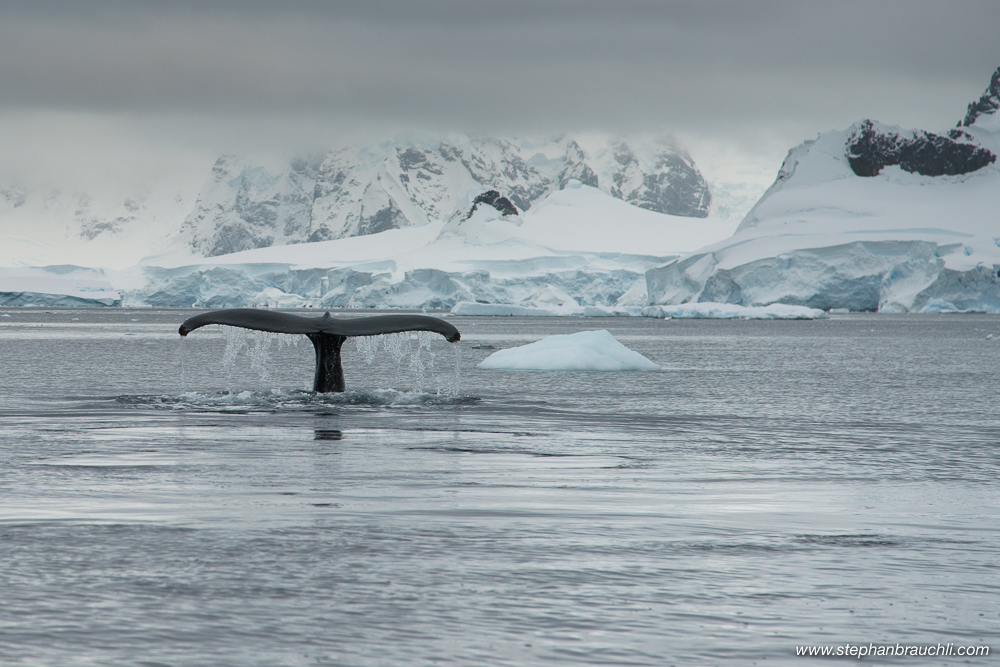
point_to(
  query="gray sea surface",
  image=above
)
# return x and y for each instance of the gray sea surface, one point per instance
(777, 484)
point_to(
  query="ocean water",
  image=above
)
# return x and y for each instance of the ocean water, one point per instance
(776, 484)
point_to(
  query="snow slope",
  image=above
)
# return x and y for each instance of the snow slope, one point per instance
(579, 243)
(825, 237)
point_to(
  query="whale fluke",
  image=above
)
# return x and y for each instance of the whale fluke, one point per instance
(277, 322)
(327, 333)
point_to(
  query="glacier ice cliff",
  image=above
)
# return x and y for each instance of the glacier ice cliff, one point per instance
(579, 247)
(57, 287)
(871, 218)
(285, 286)
(888, 276)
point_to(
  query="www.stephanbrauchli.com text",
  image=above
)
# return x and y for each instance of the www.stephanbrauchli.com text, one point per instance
(897, 650)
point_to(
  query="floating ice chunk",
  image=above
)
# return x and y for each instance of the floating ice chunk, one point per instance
(550, 295)
(582, 351)
(730, 311)
(939, 306)
(602, 311)
(944, 306)
(272, 297)
(510, 310)
(472, 308)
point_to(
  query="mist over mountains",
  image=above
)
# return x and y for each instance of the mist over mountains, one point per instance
(249, 202)
(873, 217)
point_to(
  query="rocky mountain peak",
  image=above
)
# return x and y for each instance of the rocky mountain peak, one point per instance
(987, 104)
(872, 147)
(494, 199)
(576, 167)
(357, 190)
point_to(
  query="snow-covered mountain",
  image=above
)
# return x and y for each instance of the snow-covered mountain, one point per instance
(199, 209)
(874, 217)
(43, 224)
(487, 250)
(354, 191)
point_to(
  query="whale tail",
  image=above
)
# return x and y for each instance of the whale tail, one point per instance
(327, 333)
(329, 370)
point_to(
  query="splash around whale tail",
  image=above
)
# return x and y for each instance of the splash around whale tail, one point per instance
(327, 333)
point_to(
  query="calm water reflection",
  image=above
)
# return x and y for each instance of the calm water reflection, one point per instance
(776, 484)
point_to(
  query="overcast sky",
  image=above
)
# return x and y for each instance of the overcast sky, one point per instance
(755, 76)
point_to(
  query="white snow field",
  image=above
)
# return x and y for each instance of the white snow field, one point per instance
(728, 311)
(824, 237)
(581, 351)
(560, 256)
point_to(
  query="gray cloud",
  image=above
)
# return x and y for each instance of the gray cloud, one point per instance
(779, 71)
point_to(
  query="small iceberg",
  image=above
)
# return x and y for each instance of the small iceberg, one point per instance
(942, 306)
(582, 351)
(535, 309)
(731, 311)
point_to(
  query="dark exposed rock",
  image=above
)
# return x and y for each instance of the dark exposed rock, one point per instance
(450, 153)
(576, 167)
(380, 221)
(263, 206)
(497, 161)
(320, 234)
(411, 158)
(328, 182)
(95, 228)
(675, 187)
(494, 199)
(871, 148)
(92, 226)
(255, 211)
(987, 104)
(236, 238)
